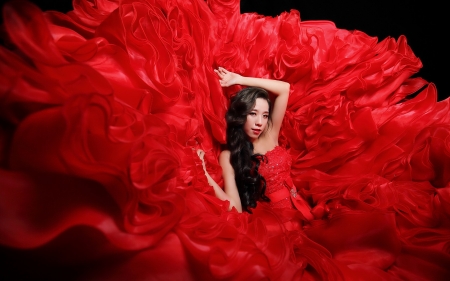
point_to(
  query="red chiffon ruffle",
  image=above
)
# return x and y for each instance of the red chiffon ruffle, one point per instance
(102, 109)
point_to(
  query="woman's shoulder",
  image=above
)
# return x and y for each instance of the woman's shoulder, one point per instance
(224, 161)
(267, 143)
(224, 154)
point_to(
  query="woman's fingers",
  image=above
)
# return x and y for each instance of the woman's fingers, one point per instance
(224, 76)
(200, 153)
(221, 71)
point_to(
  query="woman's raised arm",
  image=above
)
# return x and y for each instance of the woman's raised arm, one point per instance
(279, 88)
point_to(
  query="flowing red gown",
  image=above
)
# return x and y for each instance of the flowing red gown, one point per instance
(102, 109)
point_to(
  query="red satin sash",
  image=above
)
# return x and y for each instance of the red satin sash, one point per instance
(291, 192)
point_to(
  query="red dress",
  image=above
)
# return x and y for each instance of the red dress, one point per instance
(102, 110)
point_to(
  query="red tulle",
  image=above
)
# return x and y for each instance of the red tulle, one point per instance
(102, 110)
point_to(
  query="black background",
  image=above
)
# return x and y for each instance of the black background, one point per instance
(422, 22)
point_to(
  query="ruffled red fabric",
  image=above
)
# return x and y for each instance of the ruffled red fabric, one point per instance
(102, 110)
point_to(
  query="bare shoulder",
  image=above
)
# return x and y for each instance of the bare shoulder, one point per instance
(224, 157)
(224, 161)
(270, 138)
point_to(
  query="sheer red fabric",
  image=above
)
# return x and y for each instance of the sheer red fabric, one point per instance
(102, 109)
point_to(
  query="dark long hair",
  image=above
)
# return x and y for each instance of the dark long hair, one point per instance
(251, 185)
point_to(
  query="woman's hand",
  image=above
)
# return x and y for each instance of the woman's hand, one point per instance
(201, 155)
(227, 78)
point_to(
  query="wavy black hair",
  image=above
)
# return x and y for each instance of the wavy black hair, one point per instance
(251, 185)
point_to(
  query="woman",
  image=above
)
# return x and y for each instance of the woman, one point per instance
(252, 133)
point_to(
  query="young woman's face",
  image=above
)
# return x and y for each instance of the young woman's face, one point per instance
(257, 119)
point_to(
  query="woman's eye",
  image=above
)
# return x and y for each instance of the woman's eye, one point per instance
(265, 116)
(252, 113)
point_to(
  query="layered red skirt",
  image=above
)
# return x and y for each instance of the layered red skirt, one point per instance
(102, 108)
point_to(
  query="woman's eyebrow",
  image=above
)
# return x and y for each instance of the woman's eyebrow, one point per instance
(255, 109)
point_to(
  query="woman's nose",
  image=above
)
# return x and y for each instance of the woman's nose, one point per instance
(259, 120)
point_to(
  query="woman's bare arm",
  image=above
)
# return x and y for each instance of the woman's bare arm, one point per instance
(230, 192)
(279, 88)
